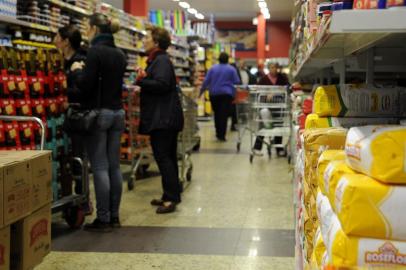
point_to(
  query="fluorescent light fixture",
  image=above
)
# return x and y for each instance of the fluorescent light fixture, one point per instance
(262, 4)
(199, 16)
(264, 11)
(184, 4)
(267, 16)
(192, 11)
(255, 21)
(175, 0)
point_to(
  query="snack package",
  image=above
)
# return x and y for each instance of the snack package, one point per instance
(355, 101)
(368, 208)
(379, 152)
(315, 121)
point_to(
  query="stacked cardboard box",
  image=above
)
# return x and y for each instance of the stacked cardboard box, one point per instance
(25, 212)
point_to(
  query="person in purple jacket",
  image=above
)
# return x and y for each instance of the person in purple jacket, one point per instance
(220, 81)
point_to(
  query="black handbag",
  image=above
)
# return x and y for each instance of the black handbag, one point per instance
(81, 120)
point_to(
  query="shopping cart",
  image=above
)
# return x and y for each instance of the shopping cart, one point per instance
(264, 113)
(241, 101)
(140, 148)
(71, 205)
(188, 140)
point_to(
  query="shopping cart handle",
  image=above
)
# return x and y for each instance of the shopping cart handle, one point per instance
(28, 119)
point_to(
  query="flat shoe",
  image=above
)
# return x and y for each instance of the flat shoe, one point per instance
(156, 202)
(166, 209)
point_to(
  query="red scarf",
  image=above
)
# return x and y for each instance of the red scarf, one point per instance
(153, 54)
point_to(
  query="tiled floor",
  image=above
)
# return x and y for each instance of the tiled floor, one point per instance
(234, 215)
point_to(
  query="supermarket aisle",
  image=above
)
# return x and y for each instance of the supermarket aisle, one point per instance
(234, 216)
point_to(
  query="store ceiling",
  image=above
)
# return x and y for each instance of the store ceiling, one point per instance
(231, 10)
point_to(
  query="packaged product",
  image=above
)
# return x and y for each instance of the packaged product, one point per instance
(354, 101)
(350, 251)
(332, 175)
(315, 121)
(379, 152)
(319, 249)
(368, 208)
(395, 3)
(324, 160)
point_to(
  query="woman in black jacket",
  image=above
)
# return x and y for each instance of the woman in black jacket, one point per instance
(101, 84)
(161, 115)
(68, 40)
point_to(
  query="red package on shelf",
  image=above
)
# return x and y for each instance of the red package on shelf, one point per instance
(48, 85)
(2, 136)
(36, 85)
(23, 107)
(307, 107)
(51, 107)
(61, 84)
(26, 134)
(8, 107)
(302, 120)
(12, 135)
(395, 3)
(38, 107)
(22, 86)
(61, 103)
(4, 86)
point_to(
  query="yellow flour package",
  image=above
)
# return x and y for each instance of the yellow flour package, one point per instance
(354, 101)
(368, 208)
(332, 174)
(315, 121)
(351, 251)
(325, 159)
(319, 250)
(379, 152)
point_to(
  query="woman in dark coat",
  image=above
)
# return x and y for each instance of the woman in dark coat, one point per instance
(161, 115)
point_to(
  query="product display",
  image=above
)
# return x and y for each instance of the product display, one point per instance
(378, 151)
(355, 101)
(324, 163)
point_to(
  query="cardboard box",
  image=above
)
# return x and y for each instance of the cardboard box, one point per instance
(41, 174)
(15, 180)
(5, 248)
(31, 239)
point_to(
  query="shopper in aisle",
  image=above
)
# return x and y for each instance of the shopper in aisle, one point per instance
(221, 80)
(161, 115)
(274, 77)
(100, 83)
(68, 40)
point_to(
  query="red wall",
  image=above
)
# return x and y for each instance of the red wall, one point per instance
(278, 37)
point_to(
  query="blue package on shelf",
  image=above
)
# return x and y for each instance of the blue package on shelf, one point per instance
(52, 126)
(52, 147)
(55, 176)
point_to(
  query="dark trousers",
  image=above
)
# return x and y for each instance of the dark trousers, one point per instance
(221, 105)
(164, 145)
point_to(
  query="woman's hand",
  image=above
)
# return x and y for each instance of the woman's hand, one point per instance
(77, 65)
(141, 74)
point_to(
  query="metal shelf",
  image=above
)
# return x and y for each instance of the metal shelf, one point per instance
(70, 7)
(15, 21)
(131, 49)
(350, 32)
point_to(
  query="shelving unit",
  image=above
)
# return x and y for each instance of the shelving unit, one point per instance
(341, 38)
(70, 7)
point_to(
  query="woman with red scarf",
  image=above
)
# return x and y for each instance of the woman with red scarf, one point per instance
(161, 115)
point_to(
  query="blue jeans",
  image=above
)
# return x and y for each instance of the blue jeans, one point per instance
(103, 148)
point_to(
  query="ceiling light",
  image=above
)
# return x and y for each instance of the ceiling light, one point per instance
(192, 11)
(184, 4)
(175, 0)
(267, 16)
(199, 16)
(264, 10)
(262, 4)
(255, 21)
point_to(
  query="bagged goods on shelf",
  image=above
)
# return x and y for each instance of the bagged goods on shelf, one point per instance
(324, 160)
(332, 174)
(315, 121)
(379, 152)
(369, 4)
(368, 208)
(349, 251)
(319, 250)
(354, 101)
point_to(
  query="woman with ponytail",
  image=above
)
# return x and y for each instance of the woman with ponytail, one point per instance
(101, 83)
